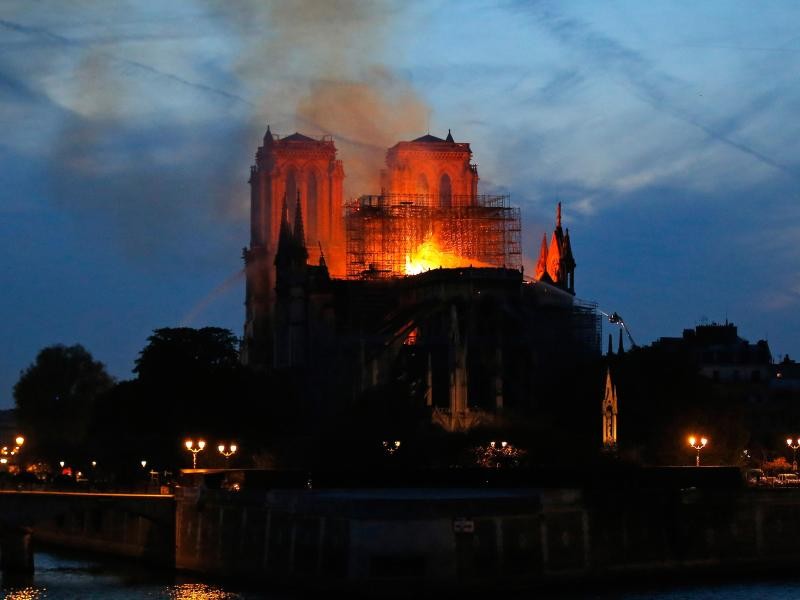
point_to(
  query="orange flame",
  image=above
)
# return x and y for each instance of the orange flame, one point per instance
(429, 255)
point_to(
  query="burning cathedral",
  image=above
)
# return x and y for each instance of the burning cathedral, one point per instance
(417, 292)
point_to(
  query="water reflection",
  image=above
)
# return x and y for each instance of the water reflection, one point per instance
(71, 576)
(27, 593)
(199, 591)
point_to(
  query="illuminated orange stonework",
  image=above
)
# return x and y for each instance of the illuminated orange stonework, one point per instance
(292, 165)
(433, 167)
(429, 215)
(556, 263)
(304, 172)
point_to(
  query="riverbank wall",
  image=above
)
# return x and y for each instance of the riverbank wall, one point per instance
(472, 537)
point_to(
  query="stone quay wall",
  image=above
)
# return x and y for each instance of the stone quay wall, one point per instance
(473, 537)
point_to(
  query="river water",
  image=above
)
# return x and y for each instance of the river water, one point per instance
(73, 577)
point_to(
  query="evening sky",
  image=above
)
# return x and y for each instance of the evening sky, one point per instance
(668, 130)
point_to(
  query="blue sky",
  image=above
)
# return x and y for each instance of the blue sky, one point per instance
(668, 130)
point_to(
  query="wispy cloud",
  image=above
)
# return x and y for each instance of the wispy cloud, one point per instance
(50, 36)
(647, 82)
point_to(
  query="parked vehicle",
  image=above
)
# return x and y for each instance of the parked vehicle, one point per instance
(754, 476)
(787, 479)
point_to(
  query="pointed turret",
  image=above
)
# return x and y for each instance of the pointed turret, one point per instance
(559, 233)
(449, 137)
(620, 348)
(299, 231)
(284, 234)
(541, 264)
(610, 345)
(610, 410)
(568, 263)
(268, 139)
(554, 259)
(567, 257)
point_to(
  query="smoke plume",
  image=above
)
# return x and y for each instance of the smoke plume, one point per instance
(324, 62)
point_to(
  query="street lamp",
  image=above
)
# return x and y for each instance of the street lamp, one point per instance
(693, 443)
(194, 450)
(794, 447)
(391, 446)
(228, 451)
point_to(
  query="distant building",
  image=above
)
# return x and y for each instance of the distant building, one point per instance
(722, 355)
(787, 375)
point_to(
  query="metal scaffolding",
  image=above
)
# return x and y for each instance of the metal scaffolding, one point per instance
(383, 231)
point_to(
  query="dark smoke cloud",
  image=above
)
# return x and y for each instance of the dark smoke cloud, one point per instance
(340, 85)
(160, 176)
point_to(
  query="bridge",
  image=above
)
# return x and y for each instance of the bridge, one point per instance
(140, 526)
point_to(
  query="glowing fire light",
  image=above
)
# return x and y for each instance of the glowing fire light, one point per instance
(429, 255)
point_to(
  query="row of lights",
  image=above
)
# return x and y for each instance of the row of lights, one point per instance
(699, 445)
(225, 450)
(5, 452)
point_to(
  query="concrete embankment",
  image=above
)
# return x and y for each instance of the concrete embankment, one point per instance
(514, 536)
(502, 530)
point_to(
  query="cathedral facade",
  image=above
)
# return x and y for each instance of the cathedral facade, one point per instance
(468, 340)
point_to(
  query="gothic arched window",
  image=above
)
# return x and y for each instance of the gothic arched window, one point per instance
(311, 206)
(445, 191)
(291, 189)
(422, 184)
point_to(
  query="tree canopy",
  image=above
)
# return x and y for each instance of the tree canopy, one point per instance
(56, 395)
(184, 351)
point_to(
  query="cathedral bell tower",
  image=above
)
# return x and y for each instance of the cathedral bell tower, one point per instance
(295, 166)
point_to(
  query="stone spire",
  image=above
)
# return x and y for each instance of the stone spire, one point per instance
(610, 345)
(568, 263)
(559, 233)
(285, 233)
(610, 411)
(449, 137)
(554, 259)
(621, 348)
(284, 236)
(268, 139)
(299, 231)
(567, 257)
(541, 264)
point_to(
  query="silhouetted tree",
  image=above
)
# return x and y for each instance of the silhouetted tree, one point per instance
(189, 383)
(184, 352)
(56, 397)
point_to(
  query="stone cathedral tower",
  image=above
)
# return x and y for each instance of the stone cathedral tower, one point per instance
(295, 166)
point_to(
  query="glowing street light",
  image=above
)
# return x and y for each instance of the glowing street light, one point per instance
(143, 463)
(227, 451)
(697, 446)
(392, 446)
(194, 449)
(794, 447)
